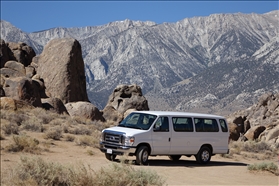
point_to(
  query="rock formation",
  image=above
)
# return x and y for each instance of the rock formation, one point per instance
(19, 52)
(55, 80)
(123, 98)
(259, 121)
(62, 68)
(85, 110)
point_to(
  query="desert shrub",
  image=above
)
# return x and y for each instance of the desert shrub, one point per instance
(260, 150)
(56, 122)
(53, 133)
(122, 174)
(44, 115)
(250, 146)
(86, 141)
(36, 171)
(82, 120)
(25, 144)
(32, 124)
(253, 146)
(13, 116)
(69, 137)
(264, 166)
(9, 127)
(80, 130)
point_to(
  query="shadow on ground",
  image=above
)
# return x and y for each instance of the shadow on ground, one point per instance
(186, 163)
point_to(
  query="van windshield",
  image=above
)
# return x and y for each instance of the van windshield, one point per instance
(138, 121)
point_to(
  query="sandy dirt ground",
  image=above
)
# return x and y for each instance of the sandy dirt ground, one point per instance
(186, 171)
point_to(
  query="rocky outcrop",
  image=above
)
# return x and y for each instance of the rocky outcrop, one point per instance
(13, 69)
(259, 121)
(123, 98)
(85, 110)
(4, 53)
(54, 104)
(111, 114)
(55, 80)
(23, 88)
(19, 52)
(126, 97)
(254, 132)
(62, 68)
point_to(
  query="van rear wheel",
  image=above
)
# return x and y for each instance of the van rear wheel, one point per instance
(142, 156)
(110, 157)
(204, 155)
(175, 157)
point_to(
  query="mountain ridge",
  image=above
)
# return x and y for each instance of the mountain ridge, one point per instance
(158, 57)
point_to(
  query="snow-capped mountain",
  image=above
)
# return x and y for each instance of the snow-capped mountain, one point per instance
(215, 64)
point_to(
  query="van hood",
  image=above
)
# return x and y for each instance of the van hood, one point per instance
(127, 131)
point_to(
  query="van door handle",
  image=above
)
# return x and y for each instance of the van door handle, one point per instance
(169, 139)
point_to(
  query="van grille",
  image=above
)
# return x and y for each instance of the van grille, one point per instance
(113, 138)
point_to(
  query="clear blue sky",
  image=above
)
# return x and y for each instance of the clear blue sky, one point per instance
(31, 16)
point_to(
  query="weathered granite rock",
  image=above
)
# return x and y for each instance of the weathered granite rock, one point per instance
(62, 68)
(84, 109)
(54, 104)
(23, 88)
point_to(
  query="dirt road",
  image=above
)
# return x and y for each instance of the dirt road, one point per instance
(220, 171)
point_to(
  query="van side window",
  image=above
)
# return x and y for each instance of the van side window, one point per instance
(162, 125)
(182, 124)
(206, 125)
(223, 125)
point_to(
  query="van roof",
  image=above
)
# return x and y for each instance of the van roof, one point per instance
(176, 113)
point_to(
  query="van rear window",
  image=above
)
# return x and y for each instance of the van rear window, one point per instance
(206, 125)
(224, 126)
(182, 124)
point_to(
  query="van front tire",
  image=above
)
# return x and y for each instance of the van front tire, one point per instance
(142, 156)
(204, 155)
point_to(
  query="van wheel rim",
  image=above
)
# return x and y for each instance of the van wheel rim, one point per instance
(205, 156)
(144, 156)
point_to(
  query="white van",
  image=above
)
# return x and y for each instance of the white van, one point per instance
(151, 133)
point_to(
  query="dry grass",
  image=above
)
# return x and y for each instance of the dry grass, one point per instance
(9, 127)
(259, 150)
(24, 143)
(86, 141)
(36, 171)
(264, 166)
(54, 133)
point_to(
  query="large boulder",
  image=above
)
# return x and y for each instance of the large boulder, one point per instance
(254, 132)
(13, 69)
(23, 88)
(234, 132)
(54, 104)
(8, 103)
(21, 52)
(84, 110)
(111, 114)
(126, 97)
(62, 68)
(273, 133)
(4, 53)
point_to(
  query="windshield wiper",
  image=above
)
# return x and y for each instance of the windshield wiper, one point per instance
(135, 127)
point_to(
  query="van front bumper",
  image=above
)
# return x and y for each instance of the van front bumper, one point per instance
(116, 149)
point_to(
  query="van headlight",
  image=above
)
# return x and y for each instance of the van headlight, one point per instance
(102, 137)
(129, 140)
